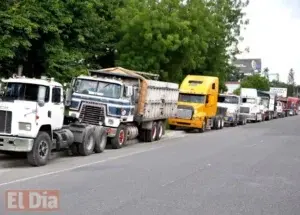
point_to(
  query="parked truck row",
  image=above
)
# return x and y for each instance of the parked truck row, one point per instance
(115, 105)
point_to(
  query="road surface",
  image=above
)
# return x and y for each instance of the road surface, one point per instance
(254, 169)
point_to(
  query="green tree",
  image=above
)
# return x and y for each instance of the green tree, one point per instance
(176, 39)
(59, 38)
(255, 81)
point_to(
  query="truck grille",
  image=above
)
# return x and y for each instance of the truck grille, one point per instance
(244, 110)
(184, 112)
(5, 121)
(92, 115)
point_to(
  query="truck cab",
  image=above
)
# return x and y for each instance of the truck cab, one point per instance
(232, 103)
(32, 117)
(250, 107)
(31, 110)
(28, 106)
(101, 101)
(197, 104)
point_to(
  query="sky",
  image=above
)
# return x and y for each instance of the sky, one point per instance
(273, 35)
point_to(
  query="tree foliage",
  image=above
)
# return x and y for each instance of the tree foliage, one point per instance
(54, 36)
(176, 39)
(170, 37)
(254, 81)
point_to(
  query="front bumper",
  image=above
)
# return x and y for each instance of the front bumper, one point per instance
(186, 123)
(249, 116)
(229, 119)
(111, 132)
(16, 144)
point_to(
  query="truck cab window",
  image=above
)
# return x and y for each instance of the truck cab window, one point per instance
(213, 86)
(191, 98)
(56, 95)
(43, 93)
(26, 92)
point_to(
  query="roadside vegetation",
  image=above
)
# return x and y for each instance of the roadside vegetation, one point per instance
(169, 37)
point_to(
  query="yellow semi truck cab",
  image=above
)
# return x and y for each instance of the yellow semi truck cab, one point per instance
(197, 104)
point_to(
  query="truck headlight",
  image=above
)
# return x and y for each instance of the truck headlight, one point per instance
(24, 126)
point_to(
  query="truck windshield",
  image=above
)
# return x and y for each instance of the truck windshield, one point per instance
(191, 98)
(99, 88)
(228, 99)
(24, 91)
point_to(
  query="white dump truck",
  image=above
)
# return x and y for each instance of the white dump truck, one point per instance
(31, 121)
(250, 107)
(232, 103)
(127, 103)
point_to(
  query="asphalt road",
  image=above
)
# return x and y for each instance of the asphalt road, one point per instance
(254, 169)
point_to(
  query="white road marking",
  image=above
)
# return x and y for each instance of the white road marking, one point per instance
(79, 166)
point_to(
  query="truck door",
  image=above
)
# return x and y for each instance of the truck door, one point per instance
(57, 110)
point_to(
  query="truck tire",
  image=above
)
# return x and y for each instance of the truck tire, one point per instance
(100, 138)
(222, 123)
(151, 134)
(235, 123)
(88, 144)
(215, 124)
(74, 149)
(203, 129)
(218, 120)
(160, 130)
(120, 139)
(40, 153)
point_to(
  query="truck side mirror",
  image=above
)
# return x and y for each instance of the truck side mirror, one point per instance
(207, 99)
(244, 100)
(68, 97)
(128, 91)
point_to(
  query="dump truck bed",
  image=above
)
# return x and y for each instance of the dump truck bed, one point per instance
(160, 101)
(154, 99)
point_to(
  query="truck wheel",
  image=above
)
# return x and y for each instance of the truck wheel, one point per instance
(215, 124)
(222, 123)
(151, 134)
(201, 130)
(218, 123)
(87, 146)
(244, 121)
(120, 139)
(160, 130)
(40, 153)
(235, 123)
(100, 138)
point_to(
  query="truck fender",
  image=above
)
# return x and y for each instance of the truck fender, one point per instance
(79, 131)
(64, 138)
(46, 128)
